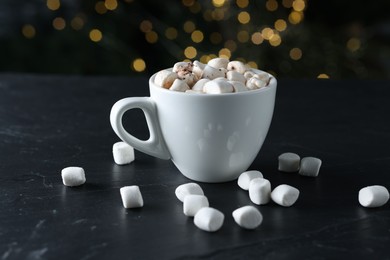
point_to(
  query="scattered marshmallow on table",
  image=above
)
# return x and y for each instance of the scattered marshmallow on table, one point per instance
(310, 166)
(247, 217)
(245, 178)
(123, 153)
(288, 162)
(285, 195)
(73, 176)
(260, 191)
(209, 219)
(193, 203)
(190, 188)
(373, 196)
(131, 197)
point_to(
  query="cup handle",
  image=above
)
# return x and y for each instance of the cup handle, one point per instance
(155, 145)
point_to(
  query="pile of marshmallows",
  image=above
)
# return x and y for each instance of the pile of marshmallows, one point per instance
(218, 76)
(196, 204)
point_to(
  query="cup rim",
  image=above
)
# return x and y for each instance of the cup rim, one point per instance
(271, 86)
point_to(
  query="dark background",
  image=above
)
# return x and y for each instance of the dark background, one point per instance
(336, 39)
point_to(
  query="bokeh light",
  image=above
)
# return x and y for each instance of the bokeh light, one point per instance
(295, 53)
(28, 31)
(190, 52)
(95, 35)
(53, 4)
(171, 33)
(139, 65)
(242, 3)
(59, 23)
(244, 17)
(197, 36)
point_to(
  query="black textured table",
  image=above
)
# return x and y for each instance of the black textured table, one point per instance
(51, 122)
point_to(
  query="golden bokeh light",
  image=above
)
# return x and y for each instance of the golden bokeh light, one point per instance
(146, 26)
(271, 5)
(151, 37)
(298, 5)
(100, 7)
(95, 35)
(231, 45)
(243, 36)
(275, 40)
(195, 8)
(188, 3)
(280, 25)
(252, 64)
(190, 52)
(171, 33)
(28, 31)
(197, 36)
(323, 76)
(218, 14)
(205, 58)
(215, 38)
(53, 4)
(59, 23)
(139, 65)
(242, 3)
(267, 33)
(224, 53)
(218, 3)
(77, 23)
(257, 38)
(111, 4)
(353, 44)
(189, 26)
(295, 17)
(244, 17)
(295, 53)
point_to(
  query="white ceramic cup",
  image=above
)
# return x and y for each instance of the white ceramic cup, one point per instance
(209, 137)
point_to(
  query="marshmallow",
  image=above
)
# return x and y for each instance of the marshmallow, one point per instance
(238, 86)
(209, 219)
(122, 153)
(235, 76)
(260, 191)
(131, 197)
(264, 76)
(198, 68)
(200, 84)
(218, 63)
(188, 77)
(182, 66)
(247, 217)
(165, 78)
(236, 66)
(248, 74)
(73, 176)
(179, 85)
(288, 162)
(218, 87)
(285, 195)
(255, 83)
(245, 178)
(310, 166)
(373, 196)
(212, 73)
(190, 188)
(193, 203)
